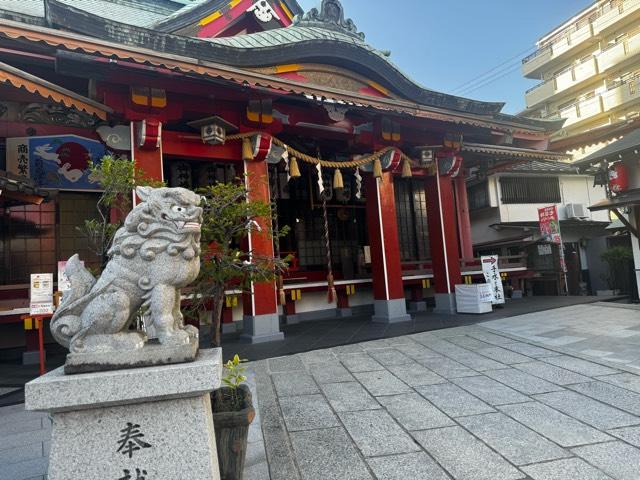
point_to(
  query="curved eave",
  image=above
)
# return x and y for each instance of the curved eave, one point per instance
(101, 49)
(49, 91)
(339, 53)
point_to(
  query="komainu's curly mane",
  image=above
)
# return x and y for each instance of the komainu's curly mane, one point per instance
(143, 233)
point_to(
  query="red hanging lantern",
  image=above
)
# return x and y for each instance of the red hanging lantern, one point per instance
(618, 178)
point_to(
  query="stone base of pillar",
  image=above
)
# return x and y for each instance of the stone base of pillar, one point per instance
(262, 328)
(229, 327)
(344, 312)
(390, 311)
(418, 306)
(32, 357)
(152, 422)
(445, 303)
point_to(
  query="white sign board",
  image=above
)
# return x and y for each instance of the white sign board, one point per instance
(41, 294)
(492, 277)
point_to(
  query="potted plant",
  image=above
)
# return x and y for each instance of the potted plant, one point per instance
(228, 219)
(233, 413)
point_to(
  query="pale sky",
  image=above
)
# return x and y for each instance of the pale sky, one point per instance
(444, 45)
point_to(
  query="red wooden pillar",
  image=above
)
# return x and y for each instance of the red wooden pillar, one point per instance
(388, 290)
(148, 155)
(464, 221)
(443, 239)
(261, 319)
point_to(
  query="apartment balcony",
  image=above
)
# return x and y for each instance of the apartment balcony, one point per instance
(618, 53)
(610, 20)
(533, 65)
(562, 82)
(580, 111)
(623, 93)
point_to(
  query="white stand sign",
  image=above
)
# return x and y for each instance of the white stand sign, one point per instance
(492, 277)
(41, 294)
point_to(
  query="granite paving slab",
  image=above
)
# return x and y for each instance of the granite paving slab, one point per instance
(566, 469)
(416, 466)
(515, 442)
(588, 410)
(553, 374)
(413, 412)
(628, 434)
(556, 426)
(390, 356)
(523, 382)
(318, 356)
(628, 381)
(477, 362)
(285, 364)
(36, 467)
(610, 394)
(453, 400)
(381, 383)
(465, 457)
(580, 366)
(530, 350)
(376, 433)
(329, 373)
(307, 412)
(469, 343)
(490, 391)
(359, 362)
(503, 355)
(417, 351)
(415, 374)
(617, 459)
(446, 367)
(289, 384)
(328, 454)
(349, 396)
(492, 338)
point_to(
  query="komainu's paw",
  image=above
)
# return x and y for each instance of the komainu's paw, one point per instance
(193, 332)
(176, 337)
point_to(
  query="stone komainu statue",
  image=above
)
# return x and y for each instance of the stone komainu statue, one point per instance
(153, 256)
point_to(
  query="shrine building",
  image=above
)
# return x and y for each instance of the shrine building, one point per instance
(366, 167)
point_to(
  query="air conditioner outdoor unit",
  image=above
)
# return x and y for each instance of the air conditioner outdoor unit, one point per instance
(576, 210)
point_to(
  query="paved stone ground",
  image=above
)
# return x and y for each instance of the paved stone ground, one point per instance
(610, 331)
(466, 403)
(463, 403)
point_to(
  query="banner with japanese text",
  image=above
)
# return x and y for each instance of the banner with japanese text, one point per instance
(492, 276)
(59, 162)
(550, 230)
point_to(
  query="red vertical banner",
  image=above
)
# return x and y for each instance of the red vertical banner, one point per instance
(550, 230)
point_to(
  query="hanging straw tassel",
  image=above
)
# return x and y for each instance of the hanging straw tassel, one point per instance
(377, 168)
(337, 180)
(294, 170)
(331, 291)
(281, 295)
(406, 169)
(247, 150)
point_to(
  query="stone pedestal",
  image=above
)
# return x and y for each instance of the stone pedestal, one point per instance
(262, 328)
(390, 311)
(419, 306)
(153, 423)
(445, 303)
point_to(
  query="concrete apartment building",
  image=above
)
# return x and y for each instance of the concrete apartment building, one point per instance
(589, 72)
(588, 69)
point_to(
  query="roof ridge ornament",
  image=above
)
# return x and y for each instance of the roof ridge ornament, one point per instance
(331, 16)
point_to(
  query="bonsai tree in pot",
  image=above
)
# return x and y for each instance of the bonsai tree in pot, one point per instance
(233, 413)
(228, 219)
